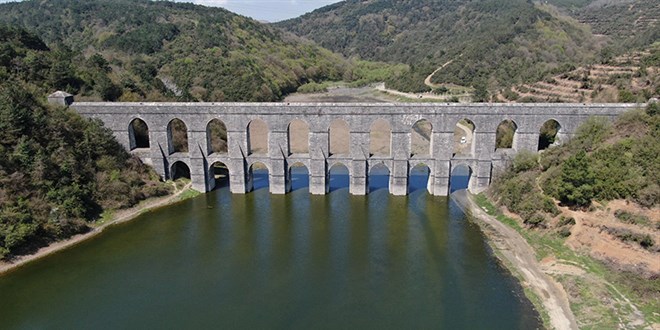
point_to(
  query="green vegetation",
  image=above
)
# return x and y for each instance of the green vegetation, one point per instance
(603, 162)
(59, 171)
(133, 50)
(492, 43)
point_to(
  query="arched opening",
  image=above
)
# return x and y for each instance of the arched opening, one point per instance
(419, 178)
(339, 177)
(380, 137)
(177, 136)
(460, 178)
(339, 134)
(298, 133)
(138, 134)
(420, 142)
(548, 135)
(379, 177)
(464, 138)
(220, 174)
(299, 176)
(257, 137)
(179, 170)
(258, 176)
(505, 137)
(216, 136)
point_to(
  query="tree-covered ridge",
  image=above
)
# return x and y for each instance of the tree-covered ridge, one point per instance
(492, 43)
(58, 171)
(159, 50)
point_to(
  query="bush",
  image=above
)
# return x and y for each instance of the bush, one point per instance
(524, 161)
(536, 220)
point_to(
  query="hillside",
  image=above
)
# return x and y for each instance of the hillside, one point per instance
(492, 43)
(591, 210)
(59, 172)
(159, 50)
(634, 23)
(633, 77)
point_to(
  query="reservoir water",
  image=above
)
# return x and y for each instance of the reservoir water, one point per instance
(260, 261)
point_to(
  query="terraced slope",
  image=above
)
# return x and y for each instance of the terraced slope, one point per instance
(633, 77)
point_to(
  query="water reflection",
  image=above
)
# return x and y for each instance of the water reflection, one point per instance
(265, 261)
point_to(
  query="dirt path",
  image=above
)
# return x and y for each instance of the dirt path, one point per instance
(120, 217)
(428, 82)
(518, 253)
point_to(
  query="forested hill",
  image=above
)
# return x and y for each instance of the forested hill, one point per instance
(492, 43)
(133, 50)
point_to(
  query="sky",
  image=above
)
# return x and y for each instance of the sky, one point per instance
(267, 10)
(263, 10)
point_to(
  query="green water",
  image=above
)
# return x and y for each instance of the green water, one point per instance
(259, 261)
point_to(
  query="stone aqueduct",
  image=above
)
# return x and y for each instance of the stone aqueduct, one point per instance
(440, 160)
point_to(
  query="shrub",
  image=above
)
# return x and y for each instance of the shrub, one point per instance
(536, 220)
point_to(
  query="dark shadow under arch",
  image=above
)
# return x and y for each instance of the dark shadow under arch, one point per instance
(460, 178)
(299, 176)
(179, 170)
(379, 177)
(548, 134)
(419, 178)
(220, 174)
(338, 177)
(258, 176)
(138, 134)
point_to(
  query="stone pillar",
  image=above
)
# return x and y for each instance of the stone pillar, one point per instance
(527, 141)
(441, 174)
(482, 176)
(485, 145)
(318, 172)
(199, 168)
(278, 174)
(237, 149)
(399, 178)
(443, 149)
(399, 173)
(359, 153)
(159, 151)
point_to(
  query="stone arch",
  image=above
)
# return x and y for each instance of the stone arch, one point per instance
(138, 134)
(505, 136)
(339, 135)
(219, 173)
(177, 136)
(419, 177)
(258, 176)
(461, 177)
(380, 138)
(421, 137)
(298, 176)
(464, 144)
(379, 177)
(339, 176)
(298, 137)
(257, 137)
(179, 170)
(216, 136)
(550, 134)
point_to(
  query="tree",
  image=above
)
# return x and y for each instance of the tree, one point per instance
(575, 186)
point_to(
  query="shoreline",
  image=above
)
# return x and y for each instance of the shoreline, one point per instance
(519, 258)
(122, 216)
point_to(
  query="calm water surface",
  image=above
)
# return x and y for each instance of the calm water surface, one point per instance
(258, 261)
